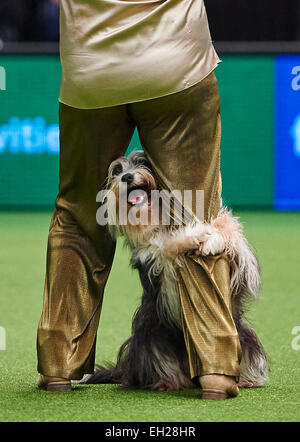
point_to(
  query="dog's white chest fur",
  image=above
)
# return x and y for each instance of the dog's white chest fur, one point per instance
(168, 304)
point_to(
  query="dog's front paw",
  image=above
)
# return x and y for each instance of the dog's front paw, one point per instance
(214, 245)
(182, 243)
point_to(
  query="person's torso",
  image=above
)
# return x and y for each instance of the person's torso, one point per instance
(132, 50)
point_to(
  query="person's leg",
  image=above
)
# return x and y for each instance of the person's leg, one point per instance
(181, 135)
(80, 252)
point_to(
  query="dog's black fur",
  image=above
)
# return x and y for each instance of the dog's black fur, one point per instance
(137, 362)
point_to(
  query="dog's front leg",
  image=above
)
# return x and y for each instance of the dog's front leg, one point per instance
(186, 239)
(199, 238)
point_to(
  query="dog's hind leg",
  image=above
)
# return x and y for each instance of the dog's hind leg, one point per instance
(154, 357)
(171, 365)
(254, 364)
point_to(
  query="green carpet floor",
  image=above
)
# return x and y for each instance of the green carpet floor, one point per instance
(23, 236)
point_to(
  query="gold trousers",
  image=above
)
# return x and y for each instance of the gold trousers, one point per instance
(181, 135)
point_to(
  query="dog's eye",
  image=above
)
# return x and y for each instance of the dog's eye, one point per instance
(143, 161)
(117, 169)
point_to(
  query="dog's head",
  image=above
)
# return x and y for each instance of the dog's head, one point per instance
(131, 179)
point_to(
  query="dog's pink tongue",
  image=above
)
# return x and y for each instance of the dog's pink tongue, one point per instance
(136, 196)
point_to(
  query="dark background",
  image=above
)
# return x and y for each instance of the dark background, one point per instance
(254, 20)
(230, 20)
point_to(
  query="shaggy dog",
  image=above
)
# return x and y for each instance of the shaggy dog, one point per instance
(155, 357)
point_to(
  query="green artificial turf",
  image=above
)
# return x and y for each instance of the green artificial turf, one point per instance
(23, 236)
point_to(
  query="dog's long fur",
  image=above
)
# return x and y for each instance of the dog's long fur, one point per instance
(155, 357)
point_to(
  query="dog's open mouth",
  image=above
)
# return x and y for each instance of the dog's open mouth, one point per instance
(139, 195)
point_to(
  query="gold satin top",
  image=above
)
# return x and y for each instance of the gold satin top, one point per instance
(122, 51)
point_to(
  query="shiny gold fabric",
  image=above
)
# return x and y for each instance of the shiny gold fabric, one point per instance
(181, 135)
(123, 51)
(210, 335)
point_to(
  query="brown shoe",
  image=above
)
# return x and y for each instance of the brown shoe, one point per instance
(218, 387)
(51, 383)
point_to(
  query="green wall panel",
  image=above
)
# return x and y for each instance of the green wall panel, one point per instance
(32, 88)
(247, 93)
(246, 89)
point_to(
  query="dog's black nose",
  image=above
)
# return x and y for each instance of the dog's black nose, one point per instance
(127, 178)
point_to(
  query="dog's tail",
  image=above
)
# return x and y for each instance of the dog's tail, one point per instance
(110, 374)
(103, 375)
(245, 272)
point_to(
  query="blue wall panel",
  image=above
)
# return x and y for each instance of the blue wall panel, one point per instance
(287, 133)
